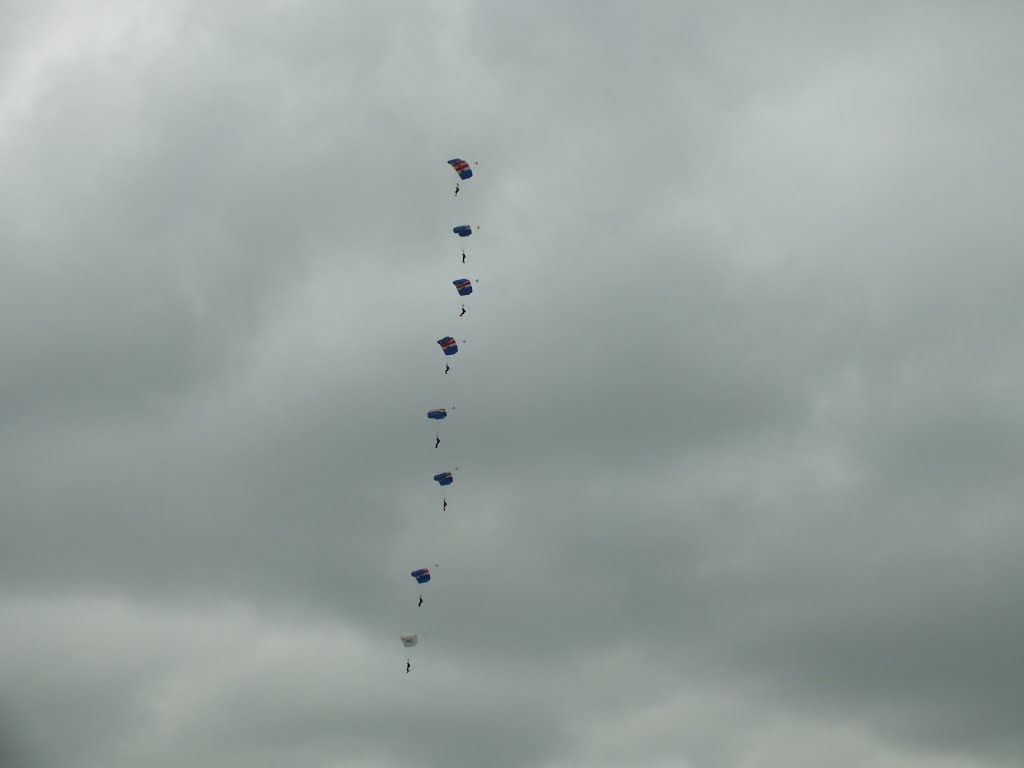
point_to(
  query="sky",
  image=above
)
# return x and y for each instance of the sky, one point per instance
(738, 407)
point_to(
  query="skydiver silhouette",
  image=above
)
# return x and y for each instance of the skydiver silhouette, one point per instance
(446, 367)
(437, 440)
(456, 190)
(420, 602)
(463, 255)
(408, 666)
(463, 310)
(445, 504)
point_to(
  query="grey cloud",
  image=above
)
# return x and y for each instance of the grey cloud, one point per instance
(736, 413)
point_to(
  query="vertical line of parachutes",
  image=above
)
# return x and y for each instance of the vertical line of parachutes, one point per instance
(449, 347)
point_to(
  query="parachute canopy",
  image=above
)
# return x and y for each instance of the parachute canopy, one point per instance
(461, 167)
(445, 478)
(437, 413)
(448, 345)
(422, 575)
(464, 230)
(410, 640)
(463, 286)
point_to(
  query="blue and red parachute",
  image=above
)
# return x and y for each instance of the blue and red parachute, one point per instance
(444, 478)
(448, 345)
(463, 286)
(422, 575)
(437, 413)
(461, 167)
(463, 230)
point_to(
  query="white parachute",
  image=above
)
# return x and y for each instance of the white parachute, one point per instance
(410, 640)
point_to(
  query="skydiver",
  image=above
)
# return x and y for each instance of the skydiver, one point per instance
(437, 439)
(420, 602)
(408, 666)
(445, 500)
(463, 255)
(446, 367)
(463, 310)
(456, 190)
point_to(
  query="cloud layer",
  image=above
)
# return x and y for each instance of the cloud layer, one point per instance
(738, 413)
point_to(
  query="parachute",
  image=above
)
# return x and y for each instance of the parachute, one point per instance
(461, 167)
(422, 575)
(463, 286)
(448, 345)
(463, 230)
(437, 413)
(445, 478)
(410, 640)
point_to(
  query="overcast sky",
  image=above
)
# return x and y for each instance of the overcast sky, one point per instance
(739, 415)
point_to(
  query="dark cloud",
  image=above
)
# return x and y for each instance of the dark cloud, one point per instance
(737, 412)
